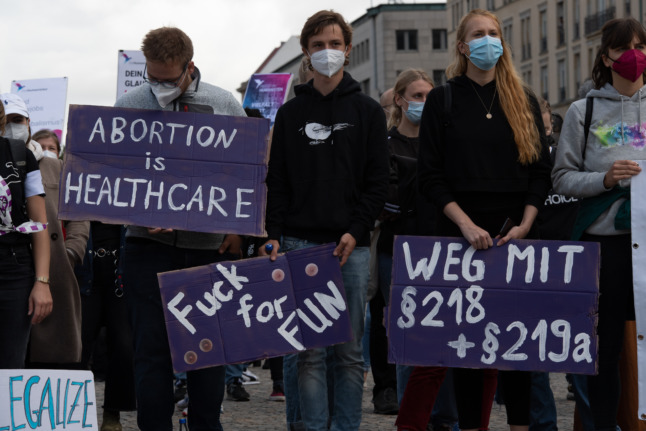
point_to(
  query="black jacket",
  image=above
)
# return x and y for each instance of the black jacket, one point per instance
(328, 166)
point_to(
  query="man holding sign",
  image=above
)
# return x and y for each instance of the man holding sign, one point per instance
(172, 84)
(327, 182)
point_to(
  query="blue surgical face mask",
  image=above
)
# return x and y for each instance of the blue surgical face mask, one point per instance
(485, 52)
(414, 112)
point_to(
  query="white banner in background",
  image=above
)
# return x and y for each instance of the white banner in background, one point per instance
(638, 229)
(47, 400)
(131, 71)
(45, 100)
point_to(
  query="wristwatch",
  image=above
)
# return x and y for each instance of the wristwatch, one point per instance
(44, 280)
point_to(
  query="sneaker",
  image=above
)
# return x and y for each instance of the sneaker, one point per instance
(236, 392)
(249, 378)
(385, 402)
(183, 403)
(111, 421)
(277, 395)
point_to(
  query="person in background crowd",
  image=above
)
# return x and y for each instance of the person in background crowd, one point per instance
(24, 267)
(56, 342)
(172, 84)
(48, 141)
(386, 102)
(597, 164)
(329, 184)
(483, 163)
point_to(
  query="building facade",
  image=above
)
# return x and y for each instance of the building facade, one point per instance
(387, 39)
(554, 42)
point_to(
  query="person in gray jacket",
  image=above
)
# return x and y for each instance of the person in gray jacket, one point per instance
(172, 84)
(596, 162)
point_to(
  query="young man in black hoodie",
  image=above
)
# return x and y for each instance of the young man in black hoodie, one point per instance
(327, 182)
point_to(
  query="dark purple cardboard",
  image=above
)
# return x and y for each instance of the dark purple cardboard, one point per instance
(173, 176)
(290, 283)
(516, 301)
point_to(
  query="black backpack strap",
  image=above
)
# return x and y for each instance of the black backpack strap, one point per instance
(448, 101)
(589, 106)
(19, 155)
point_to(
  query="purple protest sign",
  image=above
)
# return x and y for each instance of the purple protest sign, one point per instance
(527, 305)
(166, 169)
(245, 310)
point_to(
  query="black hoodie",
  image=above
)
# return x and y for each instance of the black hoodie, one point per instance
(328, 166)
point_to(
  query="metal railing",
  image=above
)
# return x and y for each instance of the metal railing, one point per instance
(593, 23)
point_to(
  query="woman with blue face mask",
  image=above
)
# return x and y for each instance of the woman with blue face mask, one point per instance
(482, 163)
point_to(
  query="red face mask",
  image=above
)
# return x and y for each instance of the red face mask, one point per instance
(630, 65)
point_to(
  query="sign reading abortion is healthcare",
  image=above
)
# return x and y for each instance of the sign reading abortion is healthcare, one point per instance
(527, 305)
(47, 400)
(232, 312)
(179, 170)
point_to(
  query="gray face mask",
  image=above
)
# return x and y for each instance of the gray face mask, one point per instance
(17, 131)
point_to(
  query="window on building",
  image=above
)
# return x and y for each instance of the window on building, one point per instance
(577, 20)
(473, 4)
(562, 79)
(542, 19)
(491, 5)
(507, 27)
(525, 36)
(577, 71)
(560, 23)
(439, 77)
(406, 40)
(365, 86)
(544, 83)
(439, 39)
(627, 7)
(527, 77)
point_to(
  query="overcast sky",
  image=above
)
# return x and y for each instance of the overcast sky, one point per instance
(80, 39)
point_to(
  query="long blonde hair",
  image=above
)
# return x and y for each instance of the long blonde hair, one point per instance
(511, 91)
(404, 79)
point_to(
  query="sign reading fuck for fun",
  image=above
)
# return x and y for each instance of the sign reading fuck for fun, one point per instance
(240, 311)
(179, 170)
(526, 305)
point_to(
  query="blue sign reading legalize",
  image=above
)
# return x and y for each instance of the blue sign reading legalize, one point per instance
(527, 305)
(179, 170)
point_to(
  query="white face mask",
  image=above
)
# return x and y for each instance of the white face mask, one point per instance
(165, 95)
(16, 131)
(327, 61)
(47, 153)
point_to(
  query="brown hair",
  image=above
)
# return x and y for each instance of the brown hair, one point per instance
(615, 33)
(321, 19)
(512, 94)
(167, 45)
(46, 133)
(404, 79)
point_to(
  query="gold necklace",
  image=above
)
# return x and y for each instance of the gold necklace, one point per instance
(489, 116)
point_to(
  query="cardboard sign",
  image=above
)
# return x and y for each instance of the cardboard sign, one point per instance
(177, 170)
(638, 230)
(267, 92)
(241, 311)
(130, 72)
(47, 400)
(527, 305)
(45, 100)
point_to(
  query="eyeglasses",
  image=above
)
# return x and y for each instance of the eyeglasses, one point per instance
(173, 83)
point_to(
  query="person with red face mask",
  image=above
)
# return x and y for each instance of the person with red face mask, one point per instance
(595, 161)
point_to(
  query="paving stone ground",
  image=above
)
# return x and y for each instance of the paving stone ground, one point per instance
(262, 414)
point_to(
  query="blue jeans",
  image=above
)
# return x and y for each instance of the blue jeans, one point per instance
(232, 372)
(153, 367)
(543, 409)
(348, 357)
